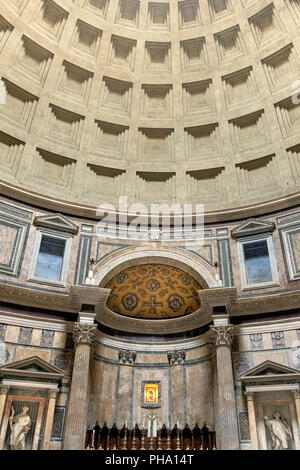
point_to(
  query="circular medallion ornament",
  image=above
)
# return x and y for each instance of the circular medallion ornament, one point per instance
(122, 278)
(130, 302)
(175, 303)
(61, 361)
(142, 272)
(185, 280)
(165, 272)
(153, 285)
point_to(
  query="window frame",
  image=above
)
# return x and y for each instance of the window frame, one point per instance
(67, 237)
(288, 252)
(243, 271)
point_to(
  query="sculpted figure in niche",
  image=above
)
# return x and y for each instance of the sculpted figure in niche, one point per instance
(19, 426)
(279, 430)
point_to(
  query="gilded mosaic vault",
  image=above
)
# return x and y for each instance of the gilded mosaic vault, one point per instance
(153, 291)
(123, 339)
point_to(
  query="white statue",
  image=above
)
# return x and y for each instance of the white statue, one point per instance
(19, 426)
(279, 430)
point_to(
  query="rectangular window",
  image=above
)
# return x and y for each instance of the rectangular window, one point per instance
(257, 262)
(50, 258)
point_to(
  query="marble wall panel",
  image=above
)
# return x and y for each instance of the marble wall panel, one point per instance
(199, 394)
(24, 353)
(177, 394)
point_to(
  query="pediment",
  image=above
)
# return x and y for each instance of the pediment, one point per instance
(251, 227)
(32, 367)
(270, 370)
(57, 222)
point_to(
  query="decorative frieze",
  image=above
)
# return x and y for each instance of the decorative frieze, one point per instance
(221, 335)
(278, 339)
(84, 333)
(47, 338)
(2, 331)
(127, 357)
(176, 357)
(25, 335)
(256, 341)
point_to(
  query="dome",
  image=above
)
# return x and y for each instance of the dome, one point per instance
(163, 102)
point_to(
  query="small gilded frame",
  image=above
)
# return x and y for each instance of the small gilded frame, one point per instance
(151, 394)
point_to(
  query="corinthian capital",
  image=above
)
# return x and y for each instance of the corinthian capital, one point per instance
(52, 393)
(127, 357)
(4, 389)
(296, 394)
(221, 335)
(176, 357)
(249, 395)
(84, 333)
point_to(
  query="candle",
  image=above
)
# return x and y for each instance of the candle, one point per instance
(143, 423)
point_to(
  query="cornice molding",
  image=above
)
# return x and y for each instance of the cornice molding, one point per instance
(85, 210)
(71, 302)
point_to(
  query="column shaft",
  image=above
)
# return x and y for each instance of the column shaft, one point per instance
(296, 394)
(75, 430)
(3, 394)
(227, 406)
(252, 421)
(221, 338)
(49, 419)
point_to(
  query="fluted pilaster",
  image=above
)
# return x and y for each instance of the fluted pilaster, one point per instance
(252, 420)
(52, 394)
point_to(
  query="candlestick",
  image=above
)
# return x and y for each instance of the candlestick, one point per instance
(159, 441)
(143, 440)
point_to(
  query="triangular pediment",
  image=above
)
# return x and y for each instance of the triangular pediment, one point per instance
(32, 367)
(269, 370)
(251, 227)
(57, 222)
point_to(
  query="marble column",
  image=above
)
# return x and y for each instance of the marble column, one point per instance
(3, 394)
(296, 394)
(52, 394)
(75, 430)
(221, 338)
(252, 420)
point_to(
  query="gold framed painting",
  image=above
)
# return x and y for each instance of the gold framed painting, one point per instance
(151, 394)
